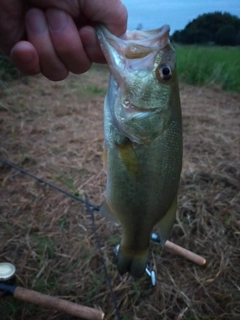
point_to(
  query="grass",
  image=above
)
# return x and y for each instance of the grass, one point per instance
(94, 84)
(8, 71)
(199, 65)
(86, 91)
(58, 136)
(67, 182)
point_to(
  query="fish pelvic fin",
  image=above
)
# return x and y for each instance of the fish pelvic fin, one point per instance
(129, 158)
(108, 213)
(134, 263)
(164, 226)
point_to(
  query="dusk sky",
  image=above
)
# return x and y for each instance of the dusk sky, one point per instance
(177, 13)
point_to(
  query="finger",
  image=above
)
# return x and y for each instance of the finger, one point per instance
(71, 7)
(38, 35)
(91, 45)
(111, 13)
(66, 41)
(25, 58)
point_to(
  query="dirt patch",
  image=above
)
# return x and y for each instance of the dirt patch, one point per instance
(54, 130)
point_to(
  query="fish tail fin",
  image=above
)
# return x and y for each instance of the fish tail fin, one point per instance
(135, 264)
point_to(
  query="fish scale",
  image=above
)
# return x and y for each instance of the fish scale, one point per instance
(143, 140)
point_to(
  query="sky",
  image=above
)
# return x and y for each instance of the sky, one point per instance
(177, 13)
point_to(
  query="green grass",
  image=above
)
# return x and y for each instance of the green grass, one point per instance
(203, 65)
(45, 247)
(86, 90)
(10, 307)
(8, 71)
(68, 182)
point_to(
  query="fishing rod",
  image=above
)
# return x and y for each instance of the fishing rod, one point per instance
(70, 307)
(8, 287)
(90, 208)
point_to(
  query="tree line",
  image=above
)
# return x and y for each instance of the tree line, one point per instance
(210, 28)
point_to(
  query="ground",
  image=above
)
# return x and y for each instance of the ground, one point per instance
(55, 131)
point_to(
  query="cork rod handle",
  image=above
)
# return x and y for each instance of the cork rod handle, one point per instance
(185, 253)
(58, 304)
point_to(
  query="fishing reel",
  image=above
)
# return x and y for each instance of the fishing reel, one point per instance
(8, 287)
(7, 278)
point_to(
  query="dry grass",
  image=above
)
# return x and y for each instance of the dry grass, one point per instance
(55, 131)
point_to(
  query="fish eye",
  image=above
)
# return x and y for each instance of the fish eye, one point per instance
(165, 72)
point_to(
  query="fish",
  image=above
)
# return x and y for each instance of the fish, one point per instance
(142, 140)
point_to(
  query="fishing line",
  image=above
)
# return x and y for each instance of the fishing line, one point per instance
(90, 208)
(114, 300)
(49, 184)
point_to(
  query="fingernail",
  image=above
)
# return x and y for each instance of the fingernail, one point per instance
(57, 20)
(36, 21)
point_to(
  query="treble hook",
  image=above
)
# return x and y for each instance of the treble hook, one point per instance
(150, 273)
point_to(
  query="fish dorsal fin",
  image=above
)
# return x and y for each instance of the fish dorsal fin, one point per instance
(108, 213)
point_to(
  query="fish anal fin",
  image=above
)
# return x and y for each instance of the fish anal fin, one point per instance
(164, 226)
(129, 158)
(108, 213)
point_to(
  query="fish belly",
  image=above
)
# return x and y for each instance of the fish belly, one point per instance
(142, 184)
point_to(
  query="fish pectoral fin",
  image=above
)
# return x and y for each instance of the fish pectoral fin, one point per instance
(129, 158)
(108, 213)
(164, 226)
(105, 158)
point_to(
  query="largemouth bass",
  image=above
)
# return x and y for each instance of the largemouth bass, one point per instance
(143, 140)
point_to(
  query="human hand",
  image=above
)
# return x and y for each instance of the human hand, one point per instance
(54, 37)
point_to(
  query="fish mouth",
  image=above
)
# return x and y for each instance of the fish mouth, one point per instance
(139, 109)
(142, 40)
(134, 51)
(130, 107)
(132, 45)
(142, 43)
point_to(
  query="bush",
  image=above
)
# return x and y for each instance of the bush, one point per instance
(219, 28)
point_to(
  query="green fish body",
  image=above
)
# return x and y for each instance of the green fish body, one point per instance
(143, 140)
